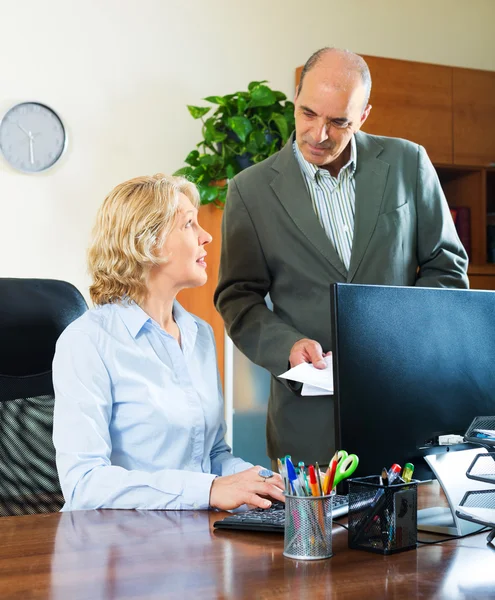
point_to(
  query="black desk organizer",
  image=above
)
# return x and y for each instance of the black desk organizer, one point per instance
(382, 519)
(479, 505)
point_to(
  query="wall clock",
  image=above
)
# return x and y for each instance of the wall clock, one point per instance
(32, 137)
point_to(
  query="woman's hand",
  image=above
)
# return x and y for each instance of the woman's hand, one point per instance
(247, 487)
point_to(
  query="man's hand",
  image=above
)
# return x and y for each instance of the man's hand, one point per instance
(246, 487)
(307, 351)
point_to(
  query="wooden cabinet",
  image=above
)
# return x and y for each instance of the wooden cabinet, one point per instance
(473, 94)
(451, 112)
(199, 301)
(464, 189)
(413, 101)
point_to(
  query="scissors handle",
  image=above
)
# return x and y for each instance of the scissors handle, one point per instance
(346, 468)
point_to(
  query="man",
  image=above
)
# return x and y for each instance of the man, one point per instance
(334, 205)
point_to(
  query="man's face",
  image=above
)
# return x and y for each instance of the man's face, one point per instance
(328, 111)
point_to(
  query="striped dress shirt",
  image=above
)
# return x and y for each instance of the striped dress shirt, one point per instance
(333, 200)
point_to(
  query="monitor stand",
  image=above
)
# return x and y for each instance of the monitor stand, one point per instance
(450, 469)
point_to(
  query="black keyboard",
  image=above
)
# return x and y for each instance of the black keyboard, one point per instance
(272, 519)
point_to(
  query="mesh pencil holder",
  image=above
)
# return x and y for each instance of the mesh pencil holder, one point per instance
(308, 527)
(382, 519)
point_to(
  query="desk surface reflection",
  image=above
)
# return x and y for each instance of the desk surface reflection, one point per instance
(159, 554)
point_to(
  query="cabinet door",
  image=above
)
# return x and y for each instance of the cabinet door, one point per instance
(199, 300)
(474, 117)
(412, 100)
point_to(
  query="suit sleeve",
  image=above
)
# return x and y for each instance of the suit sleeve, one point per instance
(441, 257)
(244, 282)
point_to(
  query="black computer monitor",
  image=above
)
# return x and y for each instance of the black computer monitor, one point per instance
(410, 364)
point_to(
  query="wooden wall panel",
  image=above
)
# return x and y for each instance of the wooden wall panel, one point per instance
(413, 101)
(474, 117)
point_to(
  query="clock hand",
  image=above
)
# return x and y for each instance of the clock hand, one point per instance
(31, 150)
(28, 133)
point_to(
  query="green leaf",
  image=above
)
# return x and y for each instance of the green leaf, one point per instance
(241, 104)
(211, 133)
(256, 142)
(254, 84)
(241, 126)
(280, 96)
(184, 172)
(208, 193)
(262, 96)
(281, 124)
(215, 99)
(230, 172)
(198, 111)
(198, 173)
(208, 160)
(192, 158)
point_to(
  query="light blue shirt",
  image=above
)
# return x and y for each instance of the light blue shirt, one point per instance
(334, 200)
(138, 420)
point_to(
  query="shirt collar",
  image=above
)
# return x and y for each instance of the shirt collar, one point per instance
(135, 318)
(310, 170)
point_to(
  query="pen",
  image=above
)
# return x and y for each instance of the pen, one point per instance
(306, 484)
(304, 479)
(393, 472)
(333, 467)
(283, 474)
(292, 477)
(318, 478)
(326, 479)
(408, 472)
(300, 476)
(384, 476)
(312, 481)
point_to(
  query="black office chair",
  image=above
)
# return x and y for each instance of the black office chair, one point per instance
(33, 313)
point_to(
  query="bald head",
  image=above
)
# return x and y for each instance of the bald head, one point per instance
(330, 106)
(340, 69)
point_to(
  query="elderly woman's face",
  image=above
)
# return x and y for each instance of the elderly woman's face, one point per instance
(184, 249)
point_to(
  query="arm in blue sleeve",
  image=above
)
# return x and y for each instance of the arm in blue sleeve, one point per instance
(82, 415)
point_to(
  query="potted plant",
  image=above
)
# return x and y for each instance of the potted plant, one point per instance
(244, 129)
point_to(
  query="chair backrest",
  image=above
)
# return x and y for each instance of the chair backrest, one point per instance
(33, 313)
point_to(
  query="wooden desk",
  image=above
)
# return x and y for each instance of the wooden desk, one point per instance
(109, 554)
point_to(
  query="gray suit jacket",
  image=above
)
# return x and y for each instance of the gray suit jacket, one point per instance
(272, 242)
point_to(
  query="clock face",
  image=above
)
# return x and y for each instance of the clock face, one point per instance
(32, 137)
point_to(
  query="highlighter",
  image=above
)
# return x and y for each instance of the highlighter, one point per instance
(408, 472)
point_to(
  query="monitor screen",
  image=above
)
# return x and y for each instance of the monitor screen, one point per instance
(410, 364)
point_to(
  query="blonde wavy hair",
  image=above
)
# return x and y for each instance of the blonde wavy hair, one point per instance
(131, 225)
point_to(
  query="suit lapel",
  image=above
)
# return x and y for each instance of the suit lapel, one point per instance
(290, 188)
(371, 178)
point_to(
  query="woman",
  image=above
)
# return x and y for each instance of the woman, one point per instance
(138, 419)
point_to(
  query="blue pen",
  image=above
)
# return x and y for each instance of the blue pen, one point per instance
(292, 477)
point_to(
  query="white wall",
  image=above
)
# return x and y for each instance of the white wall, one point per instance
(120, 73)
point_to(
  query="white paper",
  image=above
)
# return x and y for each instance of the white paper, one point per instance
(316, 382)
